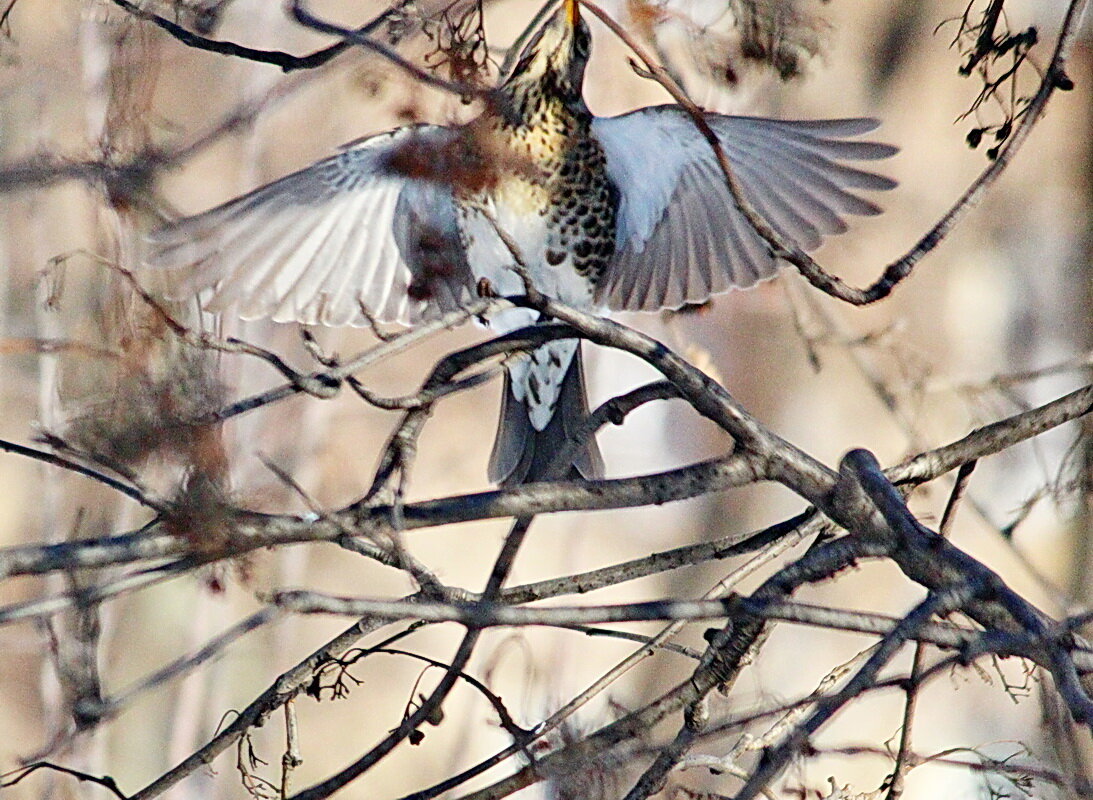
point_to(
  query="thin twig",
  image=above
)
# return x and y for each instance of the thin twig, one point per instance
(126, 489)
(302, 15)
(15, 776)
(285, 61)
(291, 759)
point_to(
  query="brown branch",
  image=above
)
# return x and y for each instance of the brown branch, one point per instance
(131, 177)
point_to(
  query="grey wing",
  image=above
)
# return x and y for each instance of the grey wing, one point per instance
(348, 235)
(680, 237)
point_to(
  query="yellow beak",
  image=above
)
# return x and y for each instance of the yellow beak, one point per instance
(572, 11)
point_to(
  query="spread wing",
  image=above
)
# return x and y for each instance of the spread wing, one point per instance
(680, 237)
(372, 227)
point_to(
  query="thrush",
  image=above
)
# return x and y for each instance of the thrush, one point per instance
(621, 213)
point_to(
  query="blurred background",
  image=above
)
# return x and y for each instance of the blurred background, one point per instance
(1008, 293)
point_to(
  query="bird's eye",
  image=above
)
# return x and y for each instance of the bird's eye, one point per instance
(581, 43)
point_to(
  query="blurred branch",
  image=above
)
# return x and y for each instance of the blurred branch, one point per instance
(110, 707)
(1006, 380)
(130, 178)
(947, 757)
(90, 596)
(984, 42)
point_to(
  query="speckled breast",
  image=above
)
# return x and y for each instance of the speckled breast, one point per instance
(551, 195)
(582, 210)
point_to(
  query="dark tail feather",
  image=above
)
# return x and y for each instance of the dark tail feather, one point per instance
(522, 454)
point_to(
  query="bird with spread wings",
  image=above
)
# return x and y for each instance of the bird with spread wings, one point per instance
(622, 213)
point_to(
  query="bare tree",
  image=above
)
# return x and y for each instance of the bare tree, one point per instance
(175, 614)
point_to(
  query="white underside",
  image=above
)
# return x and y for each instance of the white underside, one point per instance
(536, 377)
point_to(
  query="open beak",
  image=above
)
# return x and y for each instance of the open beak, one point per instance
(572, 12)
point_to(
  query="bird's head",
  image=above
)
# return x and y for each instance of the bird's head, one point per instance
(556, 54)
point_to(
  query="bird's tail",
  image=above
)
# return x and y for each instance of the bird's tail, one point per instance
(522, 454)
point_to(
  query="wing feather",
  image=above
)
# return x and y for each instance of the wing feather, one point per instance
(675, 280)
(831, 138)
(304, 262)
(755, 259)
(772, 202)
(679, 235)
(312, 266)
(787, 158)
(318, 244)
(696, 280)
(687, 281)
(659, 279)
(377, 274)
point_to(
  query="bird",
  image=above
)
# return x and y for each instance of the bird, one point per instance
(620, 213)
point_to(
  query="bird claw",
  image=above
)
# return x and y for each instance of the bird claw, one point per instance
(485, 289)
